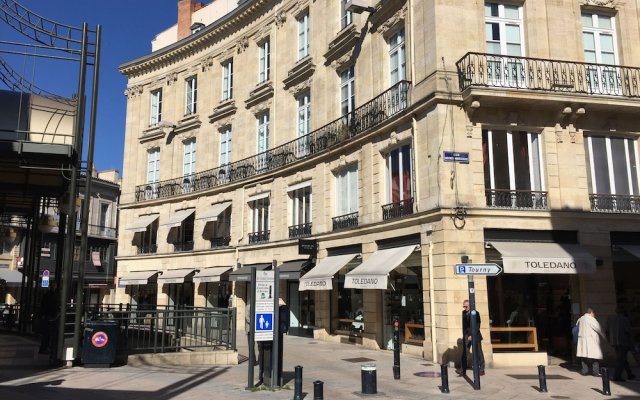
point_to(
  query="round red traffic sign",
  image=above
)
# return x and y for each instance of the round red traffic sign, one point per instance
(99, 339)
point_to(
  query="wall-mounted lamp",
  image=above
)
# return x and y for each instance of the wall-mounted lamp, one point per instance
(358, 7)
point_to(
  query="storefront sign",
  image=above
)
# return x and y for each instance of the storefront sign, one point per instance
(365, 281)
(265, 305)
(316, 284)
(478, 269)
(546, 266)
(308, 246)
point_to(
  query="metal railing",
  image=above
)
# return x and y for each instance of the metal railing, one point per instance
(104, 231)
(614, 203)
(302, 230)
(495, 70)
(345, 221)
(168, 329)
(398, 209)
(383, 107)
(183, 246)
(222, 241)
(148, 249)
(259, 237)
(9, 316)
(516, 199)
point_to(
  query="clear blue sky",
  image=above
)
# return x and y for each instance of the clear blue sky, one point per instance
(128, 26)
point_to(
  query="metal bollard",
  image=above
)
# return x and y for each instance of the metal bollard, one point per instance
(444, 374)
(318, 390)
(369, 378)
(606, 386)
(297, 385)
(542, 378)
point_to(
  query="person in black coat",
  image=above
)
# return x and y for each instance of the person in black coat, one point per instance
(466, 339)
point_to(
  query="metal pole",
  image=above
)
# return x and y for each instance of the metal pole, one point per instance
(297, 386)
(396, 348)
(444, 375)
(606, 385)
(252, 317)
(475, 345)
(542, 378)
(275, 362)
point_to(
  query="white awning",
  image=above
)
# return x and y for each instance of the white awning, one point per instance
(373, 273)
(319, 277)
(544, 258)
(137, 278)
(212, 213)
(179, 216)
(142, 223)
(175, 275)
(12, 277)
(213, 274)
(633, 249)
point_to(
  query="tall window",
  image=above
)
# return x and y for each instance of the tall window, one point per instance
(504, 36)
(227, 80)
(264, 61)
(104, 217)
(397, 57)
(613, 163)
(599, 41)
(513, 169)
(148, 242)
(189, 164)
(347, 190)
(184, 234)
(347, 90)
(260, 220)
(225, 146)
(304, 124)
(345, 16)
(191, 95)
(155, 115)
(303, 36)
(399, 175)
(153, 173)
(263, 139)
(300, 221)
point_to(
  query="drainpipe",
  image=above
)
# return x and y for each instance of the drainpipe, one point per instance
(432, 303)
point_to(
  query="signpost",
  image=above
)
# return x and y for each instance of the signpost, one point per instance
(264, 291)
(45, 279)
(469, 269)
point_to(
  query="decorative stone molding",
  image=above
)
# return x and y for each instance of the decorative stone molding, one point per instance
(341, 49)
(224, 110)
(189, 122)
(301, 87)
(262, 93)
(133, 91)
(558, 133)
(171, 77)
(218, 125)
(615, 4)
(261, 107)
(572, 133)
(280, 18)
(343, 62)
(300, 74)
(262, 34)
(207, 63)
(394, 140)
(242, 44)
(343, 161)
(226, 55)
(389, 25)
(469, 129)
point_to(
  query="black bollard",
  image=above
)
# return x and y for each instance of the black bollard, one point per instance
(606, 386)
(297, 385)
(396, 349)
(318, 390)
(542, 378)
(369, 378)
(444, 374)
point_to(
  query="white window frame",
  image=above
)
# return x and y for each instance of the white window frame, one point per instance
(389, 174)
(225, 145)
(191, 95)
(262, 139)
(348, 90)
(303, 36)
(155, 113)
(153, 172)
(515, 76)
(602, 79)
(347, 201)
(397, 57)
(261, 213)
(345, 16)
(612, 182)
(304, 123)
(227, 80)
(264, 61)
(301, 198)
(189, 158)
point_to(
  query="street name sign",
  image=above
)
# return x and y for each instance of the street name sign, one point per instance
(489, 269)
(265, 305)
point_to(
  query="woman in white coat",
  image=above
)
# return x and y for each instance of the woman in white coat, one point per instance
(589, 350)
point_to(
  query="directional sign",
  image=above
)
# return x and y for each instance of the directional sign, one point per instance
(45, 278)
(478, 269)
(265, 305)
(264, 322)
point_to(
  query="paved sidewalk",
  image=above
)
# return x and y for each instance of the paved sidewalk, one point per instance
(337, 365)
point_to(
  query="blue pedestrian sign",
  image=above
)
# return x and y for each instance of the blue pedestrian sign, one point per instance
(264, 322)
(45, 279)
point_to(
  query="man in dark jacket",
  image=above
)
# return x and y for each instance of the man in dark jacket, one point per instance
(619, 332)
(466, 339)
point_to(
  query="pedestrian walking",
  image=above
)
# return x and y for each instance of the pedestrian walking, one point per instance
(467, 339)
(619, 333)
(588, 347)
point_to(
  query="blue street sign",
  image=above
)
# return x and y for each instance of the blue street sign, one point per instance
(454, 156)
(489, 269)
(264, 322)
(45, 281)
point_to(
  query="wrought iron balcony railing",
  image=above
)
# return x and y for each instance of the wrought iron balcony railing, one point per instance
(516, 199)
(259, 237)
(614, 203)
(345, 221)
(183, 246)
(222, 241)
(373, 113)
(298, 231)
(99, 230)
(398, 209)
(148, 249)
(495, 70)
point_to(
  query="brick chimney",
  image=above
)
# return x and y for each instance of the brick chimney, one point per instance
(185, 9)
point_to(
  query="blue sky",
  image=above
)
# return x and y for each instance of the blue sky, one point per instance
(128, 26)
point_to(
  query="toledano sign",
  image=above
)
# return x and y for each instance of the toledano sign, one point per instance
(523, 265)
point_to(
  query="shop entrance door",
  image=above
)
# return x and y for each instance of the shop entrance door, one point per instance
(301, 310)
(403, 299)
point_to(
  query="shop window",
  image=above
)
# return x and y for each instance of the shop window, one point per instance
(218, 294)
(350, 318)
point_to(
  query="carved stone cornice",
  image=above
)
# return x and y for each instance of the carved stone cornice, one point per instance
(260, 94)
(390, 14)
(301, 72)
(300, 87)
(221, 123)
(152, 133)
(207, 63)
(171, 77)
(300, 6)
(389, 25)
(341, 48)
(133, 91)
(226, 55)
(242, 44)
(223, 110)
(615, 4)
(189, 122)
(280, 18)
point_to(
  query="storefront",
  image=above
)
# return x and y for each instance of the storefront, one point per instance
(213, 284)
(177, 284)
(625, 250)
(243, 289)
(142, 288)
(301, 303)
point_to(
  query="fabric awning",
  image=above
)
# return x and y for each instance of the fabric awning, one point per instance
(544, 258)
(244, 274)
(374, 272)
(179, 216)
(138, 278)
(212, 213)
(293, 269)
(319, 277)
(632, 249)
(213, 274)
(176, 275)
(142, 223)
(12, 277)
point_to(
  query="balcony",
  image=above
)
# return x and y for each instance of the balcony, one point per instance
(148, 249)
(346, 221)
(298, 231)
(516, 199)
(222, 241)
(397, 209)
(373, 113)
(614, 203)
(553, 76)
(183, 246)
(259, 237)
(101, 231)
